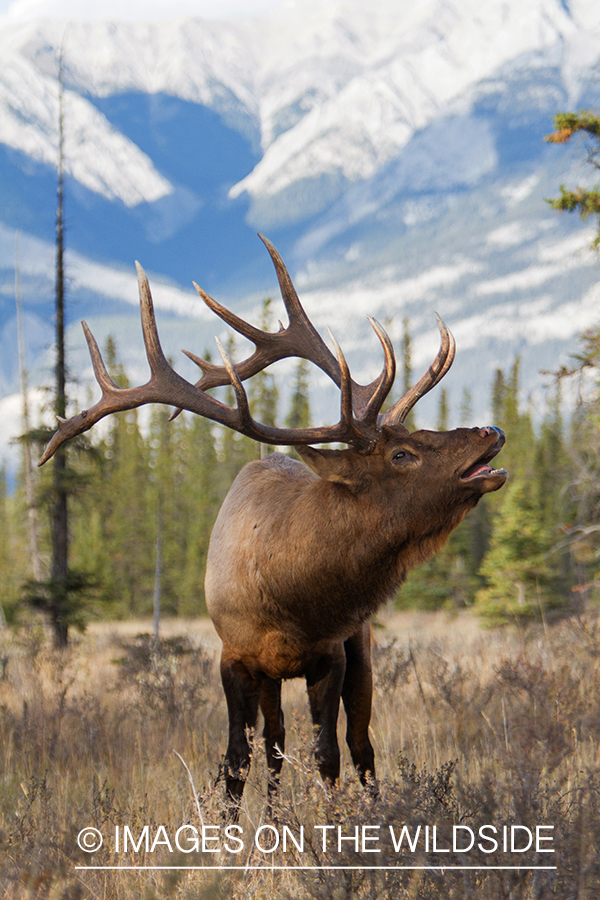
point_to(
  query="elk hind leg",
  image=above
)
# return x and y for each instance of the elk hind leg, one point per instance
(274, 730)
(324, 678)
(242, 692)
(357, 693)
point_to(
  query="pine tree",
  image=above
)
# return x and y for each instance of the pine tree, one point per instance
(234, 450)
(582, 527)
(443, 411)
(581, 491)
(203, 498)
(518, 455)
(466, 408)
(585, 202)
(264, 395)
(407, 372)
(113, 530)
(299, 412)
(521, 575)
(520, 580)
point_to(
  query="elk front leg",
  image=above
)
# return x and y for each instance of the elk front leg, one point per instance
(324, 679)
(274, 730)
(242, 692)
(357, 693)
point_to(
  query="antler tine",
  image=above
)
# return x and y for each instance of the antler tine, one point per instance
(354, 433)
(154, 353)
(68, 428)
(238, 324)
(216, 376)
(436, 371)
(246, 420)
(100, 370)
(289, 295)
(114, 398)
(386, 379)
(346, 383)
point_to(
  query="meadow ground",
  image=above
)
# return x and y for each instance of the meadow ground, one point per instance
(487, 746)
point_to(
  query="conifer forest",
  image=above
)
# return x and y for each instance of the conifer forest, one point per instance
(527, 552)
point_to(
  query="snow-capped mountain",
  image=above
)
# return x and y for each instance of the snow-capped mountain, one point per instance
(330, 92)
(394, 153)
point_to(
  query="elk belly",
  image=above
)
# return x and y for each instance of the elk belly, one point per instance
(279, 657)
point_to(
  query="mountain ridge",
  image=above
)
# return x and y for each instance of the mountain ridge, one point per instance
(398, 164)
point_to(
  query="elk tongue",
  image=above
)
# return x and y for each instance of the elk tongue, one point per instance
(477, 469)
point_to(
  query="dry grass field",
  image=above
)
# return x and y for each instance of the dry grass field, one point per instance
(493, 730)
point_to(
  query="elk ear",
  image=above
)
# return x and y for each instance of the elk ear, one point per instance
(331, 465)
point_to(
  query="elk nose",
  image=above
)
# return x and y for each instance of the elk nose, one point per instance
(493, 429)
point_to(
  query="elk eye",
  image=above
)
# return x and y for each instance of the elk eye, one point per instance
(403, 458)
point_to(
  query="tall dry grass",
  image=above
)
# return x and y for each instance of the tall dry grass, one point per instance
(470, 728)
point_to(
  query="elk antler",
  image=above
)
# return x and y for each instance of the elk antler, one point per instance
(360, 404)
(434, 374)
(300, 339)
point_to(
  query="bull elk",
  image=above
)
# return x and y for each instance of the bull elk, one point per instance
(301, 556)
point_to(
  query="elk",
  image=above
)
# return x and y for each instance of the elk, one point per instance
(303, 554)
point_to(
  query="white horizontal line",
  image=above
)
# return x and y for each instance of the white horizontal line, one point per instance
(312, 868)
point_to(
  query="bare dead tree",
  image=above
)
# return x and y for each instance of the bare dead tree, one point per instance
(32, 518)
(60, 510)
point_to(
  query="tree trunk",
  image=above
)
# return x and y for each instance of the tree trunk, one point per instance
(60, 521)
(32, 523)
(158, 576)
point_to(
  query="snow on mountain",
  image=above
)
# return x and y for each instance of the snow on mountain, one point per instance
(417, 66)
(392, 151)
(99, 157)
(332, 92)
(133, 10)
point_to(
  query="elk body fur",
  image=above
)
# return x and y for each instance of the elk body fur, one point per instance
(303, 554)
(300, 560)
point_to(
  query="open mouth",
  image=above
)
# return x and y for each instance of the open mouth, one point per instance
(481, 468)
